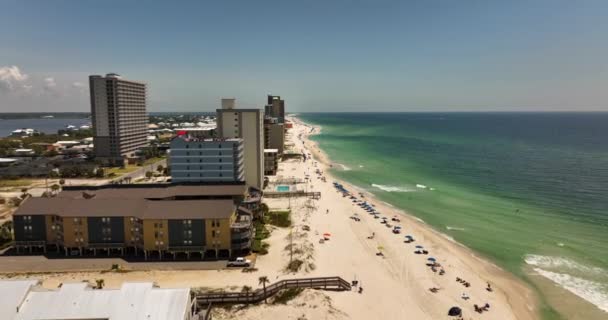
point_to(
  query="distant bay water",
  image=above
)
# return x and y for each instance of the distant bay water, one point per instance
(527, 190)
(43, 125)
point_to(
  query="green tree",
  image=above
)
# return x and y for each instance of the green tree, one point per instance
(55, 188)
(149, 174)
(263, 280)
(61, 182)
(99, 173)
(160, 168)
(100, 283)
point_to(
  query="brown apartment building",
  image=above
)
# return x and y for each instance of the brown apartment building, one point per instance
(160, 221)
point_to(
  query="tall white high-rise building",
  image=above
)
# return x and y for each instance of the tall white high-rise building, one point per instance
(247, 124)
(120, 120)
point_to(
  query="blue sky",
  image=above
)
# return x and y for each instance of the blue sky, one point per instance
(319, 55)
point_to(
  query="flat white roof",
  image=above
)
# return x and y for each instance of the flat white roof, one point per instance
(271, 150)
(23, 150)
(13, 292)
(7, 160)
(22, 300)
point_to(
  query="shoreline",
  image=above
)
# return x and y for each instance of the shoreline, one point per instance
(521, 295)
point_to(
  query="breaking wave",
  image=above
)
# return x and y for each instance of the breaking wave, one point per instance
(548, 262)
(388, 188)
(591, 291)
(421, 186)
(454, 228)
(344, 167)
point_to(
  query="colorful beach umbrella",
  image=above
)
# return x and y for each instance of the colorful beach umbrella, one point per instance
(419, 247)
(327, 234)
(431, 259)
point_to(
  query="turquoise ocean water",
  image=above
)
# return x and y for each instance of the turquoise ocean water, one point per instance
(527, 190)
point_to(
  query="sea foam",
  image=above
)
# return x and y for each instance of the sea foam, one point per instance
(454, 228)
(388, 188)
(421, 186)
(594, 292)
(344, 167)
(561, 264)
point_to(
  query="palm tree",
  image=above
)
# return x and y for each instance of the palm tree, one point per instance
(61, 182)
(55, 188)
(247, 290)
(263, 280)
(100, 283)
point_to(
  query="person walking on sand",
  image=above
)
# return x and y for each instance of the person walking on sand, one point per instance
(327, 212)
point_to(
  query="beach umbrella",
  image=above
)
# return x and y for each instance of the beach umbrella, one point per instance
(418, 247)
(454, 312)
(380, 248)
(431, 259)
(408, 236)
(327, 235)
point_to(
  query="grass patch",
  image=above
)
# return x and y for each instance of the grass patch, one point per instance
(284, 296)
(4, 183)
(279, 218)
(152, 161)
(259, 246)
(295, 265)
(117, 171)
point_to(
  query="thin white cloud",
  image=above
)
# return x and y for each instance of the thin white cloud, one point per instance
(78, 85)
(12, 79)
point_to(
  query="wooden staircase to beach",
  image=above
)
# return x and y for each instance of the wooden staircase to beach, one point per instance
(323, 283)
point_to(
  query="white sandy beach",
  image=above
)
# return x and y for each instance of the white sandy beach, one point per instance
(395, 286)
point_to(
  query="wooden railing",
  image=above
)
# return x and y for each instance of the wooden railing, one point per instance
(289, 194)
(324, 283)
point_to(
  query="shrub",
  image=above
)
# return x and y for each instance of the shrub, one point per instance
(286, 295)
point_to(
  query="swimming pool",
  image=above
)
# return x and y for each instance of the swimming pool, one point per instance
(282, 188)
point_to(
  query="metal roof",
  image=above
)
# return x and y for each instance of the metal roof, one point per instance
(13, 292)
(141, 208)
(155, 191)
(136, 301)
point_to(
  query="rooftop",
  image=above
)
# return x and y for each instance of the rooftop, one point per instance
(189, 138)
(140, 208)
(23, 300)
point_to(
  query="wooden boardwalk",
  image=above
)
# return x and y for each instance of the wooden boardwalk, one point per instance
(324, 283)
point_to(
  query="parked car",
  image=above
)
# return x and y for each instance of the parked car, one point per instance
(239, 262)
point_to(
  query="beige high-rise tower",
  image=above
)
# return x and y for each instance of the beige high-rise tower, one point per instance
(120, 120)
(247, 124)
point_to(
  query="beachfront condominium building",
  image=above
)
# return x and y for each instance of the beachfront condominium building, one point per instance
(274, 134)
(275, 108)
(118, 108)
(154, 219)
(248, 125)
(206, 160)
(271, 162)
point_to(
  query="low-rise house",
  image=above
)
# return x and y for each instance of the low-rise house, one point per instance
(24, 152)
(27, 300)
(24, 132)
